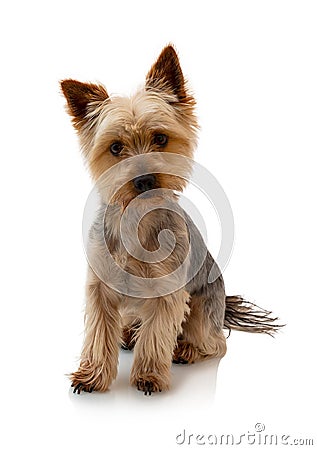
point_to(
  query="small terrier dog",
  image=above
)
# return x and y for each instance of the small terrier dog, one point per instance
(132, 299)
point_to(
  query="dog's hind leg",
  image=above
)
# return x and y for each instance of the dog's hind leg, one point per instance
(202, 335)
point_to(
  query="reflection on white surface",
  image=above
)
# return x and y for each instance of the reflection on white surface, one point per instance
(125, 418)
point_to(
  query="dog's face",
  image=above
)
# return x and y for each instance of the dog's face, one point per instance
(159, 118)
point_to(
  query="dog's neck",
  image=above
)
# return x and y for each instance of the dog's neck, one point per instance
(149, 212)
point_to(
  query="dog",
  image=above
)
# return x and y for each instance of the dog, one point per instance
(139, 151)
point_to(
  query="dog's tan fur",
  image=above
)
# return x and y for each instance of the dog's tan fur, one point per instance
(199, 340)
(185, 325)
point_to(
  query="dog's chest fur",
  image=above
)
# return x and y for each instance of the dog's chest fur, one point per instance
(149, 239)
(144, 235)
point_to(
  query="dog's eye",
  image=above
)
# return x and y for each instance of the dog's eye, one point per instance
(160, 139)
(116, 148)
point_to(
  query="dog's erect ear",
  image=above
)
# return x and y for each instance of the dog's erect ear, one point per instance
(166, 74)
(82, 99)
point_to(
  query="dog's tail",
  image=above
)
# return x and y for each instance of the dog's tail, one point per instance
(246, 316)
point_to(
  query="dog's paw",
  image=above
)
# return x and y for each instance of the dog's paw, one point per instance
(81, 387)
(147, 387)
(84, 381)
(90, 378)
(186, 353)
(149, 383)
(178, 360)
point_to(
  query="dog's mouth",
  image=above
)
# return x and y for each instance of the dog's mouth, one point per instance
(153, 193)
(136, 197)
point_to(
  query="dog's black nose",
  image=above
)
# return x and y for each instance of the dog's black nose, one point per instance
(144, 183)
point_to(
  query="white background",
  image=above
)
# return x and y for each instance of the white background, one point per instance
(252, 65)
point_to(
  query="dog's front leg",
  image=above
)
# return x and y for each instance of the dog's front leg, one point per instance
(99, 358)
(156, 339)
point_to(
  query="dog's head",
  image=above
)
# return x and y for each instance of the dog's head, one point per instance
(132, 143)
